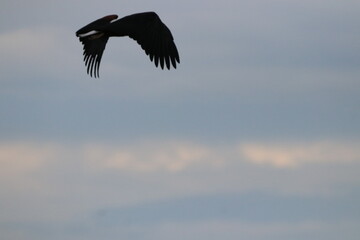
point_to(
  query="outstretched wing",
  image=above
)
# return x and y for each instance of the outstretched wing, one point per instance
(94, 46)
(153, 36)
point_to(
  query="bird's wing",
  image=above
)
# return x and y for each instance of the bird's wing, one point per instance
(94, 46)
(153, 36)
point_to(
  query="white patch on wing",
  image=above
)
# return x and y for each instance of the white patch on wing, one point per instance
(88, 33)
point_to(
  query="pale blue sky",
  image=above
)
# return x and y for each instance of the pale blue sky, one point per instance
(256, 135)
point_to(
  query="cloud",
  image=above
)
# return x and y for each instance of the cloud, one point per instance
(216, 229)
(293, 155)
(22, 158)
(175, 167)
(27, 45)
(37, 50)
(175, 156)
(157, 156)
(59, 182)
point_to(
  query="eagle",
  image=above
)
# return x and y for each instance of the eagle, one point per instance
(145, 28)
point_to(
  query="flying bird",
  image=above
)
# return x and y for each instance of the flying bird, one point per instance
(145, 28)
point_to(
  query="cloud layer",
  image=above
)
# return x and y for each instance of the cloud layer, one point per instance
(177, 156)
(287, 189)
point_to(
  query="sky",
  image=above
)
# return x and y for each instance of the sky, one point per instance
(255, 135)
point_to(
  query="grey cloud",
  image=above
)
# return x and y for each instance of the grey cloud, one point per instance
(253, 207)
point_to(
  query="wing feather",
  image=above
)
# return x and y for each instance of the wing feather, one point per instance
(153, 36)
(94, 46)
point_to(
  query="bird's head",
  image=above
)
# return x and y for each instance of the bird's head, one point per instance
(93, 27)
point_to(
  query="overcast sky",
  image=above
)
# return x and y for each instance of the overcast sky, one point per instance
(255, 135)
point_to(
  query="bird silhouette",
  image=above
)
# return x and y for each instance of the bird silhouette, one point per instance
(145, 28)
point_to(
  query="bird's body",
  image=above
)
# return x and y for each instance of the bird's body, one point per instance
(146, 28)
